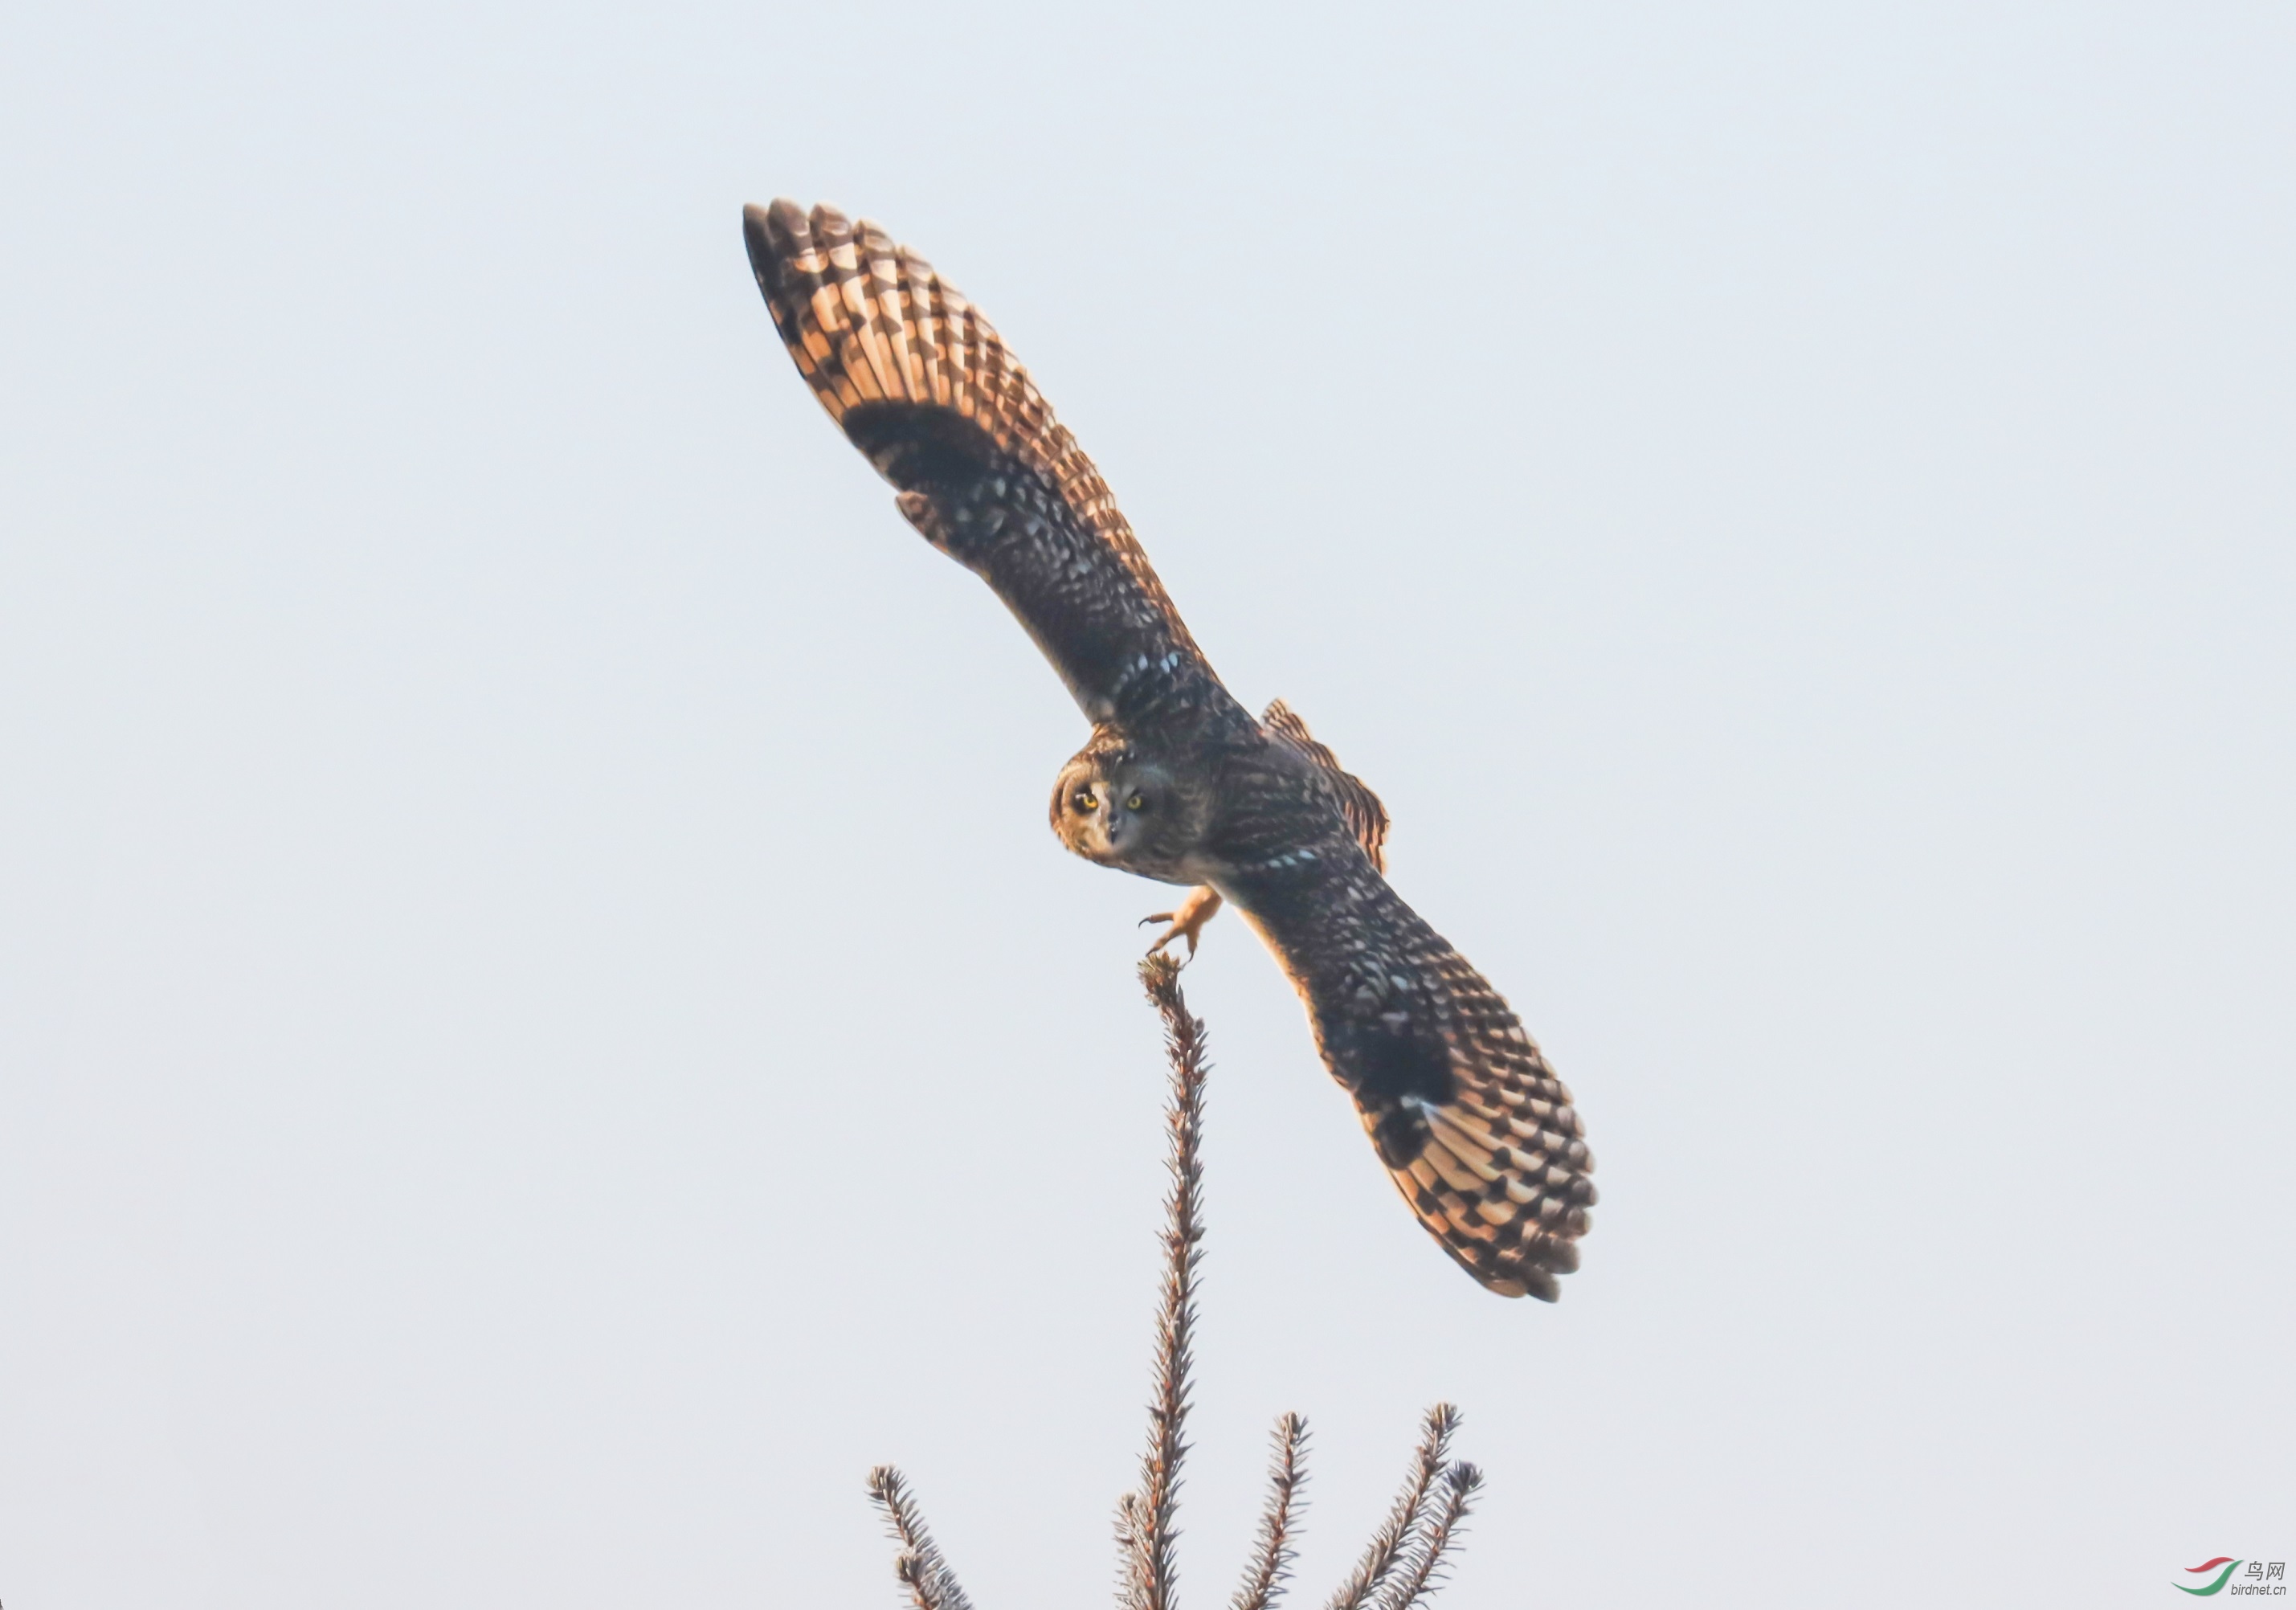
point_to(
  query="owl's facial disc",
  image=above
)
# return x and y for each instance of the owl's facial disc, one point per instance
(1108, 813)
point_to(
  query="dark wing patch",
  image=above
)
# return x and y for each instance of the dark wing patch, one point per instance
(930, 393)
(1366, 817)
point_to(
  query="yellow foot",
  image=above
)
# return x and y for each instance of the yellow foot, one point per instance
(1188, 921)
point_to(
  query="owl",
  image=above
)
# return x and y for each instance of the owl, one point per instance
(1179, 782)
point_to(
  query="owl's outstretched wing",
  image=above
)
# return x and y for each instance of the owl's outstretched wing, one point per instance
(1474, 1128)
(930, 393)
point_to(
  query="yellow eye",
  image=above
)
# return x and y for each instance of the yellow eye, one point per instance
(1085, 801)
(1136, 803)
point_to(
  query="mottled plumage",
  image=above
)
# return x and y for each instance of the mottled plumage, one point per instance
(1177, 781)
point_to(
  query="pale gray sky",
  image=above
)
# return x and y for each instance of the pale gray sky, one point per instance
(542, 1031)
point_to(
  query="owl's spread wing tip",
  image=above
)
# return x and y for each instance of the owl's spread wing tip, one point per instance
(1504, 1191)
(774, 233)
(1496, 1217)
(1475, 1130)
(1525, 1283)
(930, 393)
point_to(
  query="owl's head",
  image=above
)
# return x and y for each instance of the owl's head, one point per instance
(1120, 809)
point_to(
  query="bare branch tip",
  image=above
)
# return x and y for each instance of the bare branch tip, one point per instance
(1161, 976)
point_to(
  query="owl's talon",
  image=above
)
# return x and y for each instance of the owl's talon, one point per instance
(1186, 922)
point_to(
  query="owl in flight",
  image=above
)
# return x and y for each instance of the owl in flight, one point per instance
(1178, 783)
